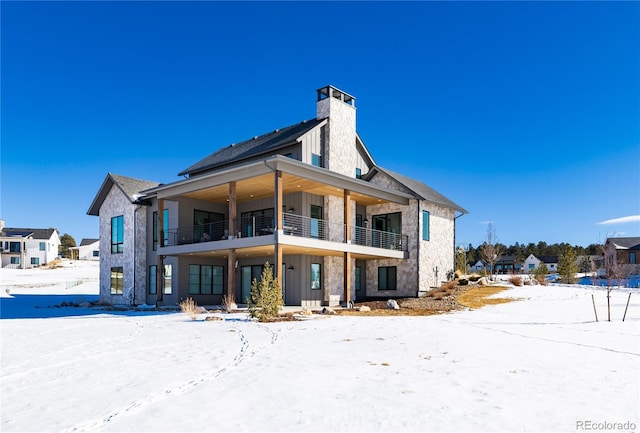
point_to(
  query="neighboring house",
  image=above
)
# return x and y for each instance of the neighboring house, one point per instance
(532, 262)
(89, 249)
(479, 266)
(507, 265)
(621, 257)
(627, 250)
(307, 198)
(23, 248)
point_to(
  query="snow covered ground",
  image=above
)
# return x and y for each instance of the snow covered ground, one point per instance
(541, 363)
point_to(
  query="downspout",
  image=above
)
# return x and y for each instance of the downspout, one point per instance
(418, 250)
(135, 233)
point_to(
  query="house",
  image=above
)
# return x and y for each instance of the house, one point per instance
(626, 250)
(23, 248)
(507, 265)
(479, 266)
(621, 257)
(531, 263)
(89, 249)
(308, 198)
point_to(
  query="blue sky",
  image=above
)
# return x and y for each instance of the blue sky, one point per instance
(527, 114)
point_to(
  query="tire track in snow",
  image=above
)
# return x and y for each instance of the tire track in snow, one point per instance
(244, 353)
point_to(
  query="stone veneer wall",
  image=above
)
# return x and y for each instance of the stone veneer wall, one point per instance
(340, 143)
(418, 272)
(117, 203)
(438, 251)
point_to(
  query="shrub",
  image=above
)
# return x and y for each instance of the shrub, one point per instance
(190, 308)
(266, 297)
(229, 303)
(457, 274)
(516, 280)
(448, 285)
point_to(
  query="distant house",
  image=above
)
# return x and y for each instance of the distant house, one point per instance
(508, 264)
(626, 249)
(23, 248)
(621, 252)
(532, 262)
(308, 198)
(479, 266)
(89, 249)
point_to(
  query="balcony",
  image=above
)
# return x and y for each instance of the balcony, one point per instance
(293, 225)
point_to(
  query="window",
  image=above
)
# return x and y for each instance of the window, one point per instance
(96, 253)
(165, 228)
(14, 247)
(117, 234)
(257, 222)
(15, 260)
(632, 258)
(43, 246)
(35, 260)
(382, 226)
(425, 225)
(206, 280)
(316, 160)
(116, 280)
(153, 280)
(317, 225)
(316, 271)
(168, 278)
(358, 272)
(358, 173)
(387, 278)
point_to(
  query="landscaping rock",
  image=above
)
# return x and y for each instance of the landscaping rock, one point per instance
(483, 281)
(392, 304)
(306, 312)
(84, 305)
(212, 318)
(364, 308)
(201, 310)
(328, 311)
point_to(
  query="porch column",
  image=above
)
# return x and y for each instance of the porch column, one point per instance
(231, 274)
(277, 266)
(232, 208)
(347, 215)
(160, 262)
(347, 278)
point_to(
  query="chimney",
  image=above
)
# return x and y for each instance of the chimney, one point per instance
(340, 152)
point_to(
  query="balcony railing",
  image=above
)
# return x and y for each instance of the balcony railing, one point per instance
(293, 225)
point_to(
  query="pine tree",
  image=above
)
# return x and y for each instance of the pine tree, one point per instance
(266, 297)
(567, 267)
(66, 241)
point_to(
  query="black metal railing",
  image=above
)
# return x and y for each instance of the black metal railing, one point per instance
(293, 225)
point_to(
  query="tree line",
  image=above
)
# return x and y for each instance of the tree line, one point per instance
(522, 251)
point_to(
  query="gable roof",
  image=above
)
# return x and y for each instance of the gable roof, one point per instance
(548, 259)
(253, 147)
(130, 186)
(88, 241)
(625, 243)
(26, 232)
(418, 188)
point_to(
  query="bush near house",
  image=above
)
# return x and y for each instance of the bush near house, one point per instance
(266, 298)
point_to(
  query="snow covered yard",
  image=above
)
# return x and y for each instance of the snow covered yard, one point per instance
(538, 364)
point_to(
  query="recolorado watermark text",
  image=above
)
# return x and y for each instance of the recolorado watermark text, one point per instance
(585, 425)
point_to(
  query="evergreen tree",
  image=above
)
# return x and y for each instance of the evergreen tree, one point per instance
(266, 296)
(66, 241)
(567, 267)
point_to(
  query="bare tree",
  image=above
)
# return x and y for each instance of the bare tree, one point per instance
(490, 251)
(615, 271)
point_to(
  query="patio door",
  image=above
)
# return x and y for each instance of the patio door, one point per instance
(247, 275)
(316, 217)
